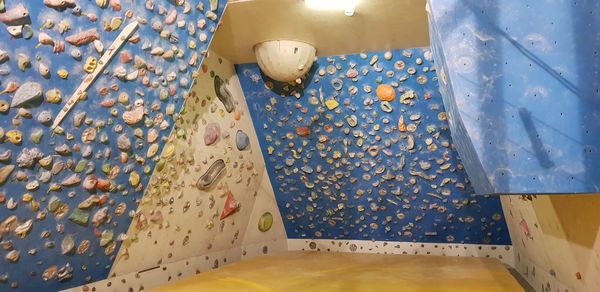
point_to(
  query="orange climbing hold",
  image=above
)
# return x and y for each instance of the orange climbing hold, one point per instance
(386, 92)
(302, 131)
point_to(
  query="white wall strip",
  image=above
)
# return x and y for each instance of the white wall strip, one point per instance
(169, 273)
(502, 252)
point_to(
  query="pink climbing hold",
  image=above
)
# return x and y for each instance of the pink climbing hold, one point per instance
(211, 134)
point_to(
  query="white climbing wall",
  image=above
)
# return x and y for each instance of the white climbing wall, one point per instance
(190, 225)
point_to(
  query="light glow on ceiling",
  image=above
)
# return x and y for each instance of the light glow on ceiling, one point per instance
(348, 6)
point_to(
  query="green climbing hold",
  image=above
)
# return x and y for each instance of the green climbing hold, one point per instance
(81, 165)
(265, 222)
(80, 217)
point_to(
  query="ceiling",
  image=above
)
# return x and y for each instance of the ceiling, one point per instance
(377, 25)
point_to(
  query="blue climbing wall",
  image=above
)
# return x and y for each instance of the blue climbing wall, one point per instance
(39, 193)
(521, 83)
(342, 166)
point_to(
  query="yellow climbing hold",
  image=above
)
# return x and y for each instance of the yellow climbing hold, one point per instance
(134, 178)
(169, 151)
(295, 154)
(90, 64)
(62, 73)
(53, 96)
(27, 197)
(54, 188)
(331, 104)
(115, 23)
(15, 136)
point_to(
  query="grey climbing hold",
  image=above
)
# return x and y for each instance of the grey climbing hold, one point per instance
(28, 94)
(241, 140)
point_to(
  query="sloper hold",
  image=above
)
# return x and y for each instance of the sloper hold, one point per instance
(223, 94)
(28, 94)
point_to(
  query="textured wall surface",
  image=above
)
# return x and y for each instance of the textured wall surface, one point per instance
(189, 224)
(67, 204)
(346, 165)
(556, 240)
(520, 84)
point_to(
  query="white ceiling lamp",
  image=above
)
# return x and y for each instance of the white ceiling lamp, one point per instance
(285, 60)
(348, 6)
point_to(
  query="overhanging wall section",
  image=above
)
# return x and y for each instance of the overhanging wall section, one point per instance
(520, 83)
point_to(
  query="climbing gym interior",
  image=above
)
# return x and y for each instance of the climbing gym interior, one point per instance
(300, 145)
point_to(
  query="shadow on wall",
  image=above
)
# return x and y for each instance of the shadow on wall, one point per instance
(578, 216)
(556, 240)
(586, 31)
(291, 89)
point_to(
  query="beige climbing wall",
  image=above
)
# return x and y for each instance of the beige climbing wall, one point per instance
(176, 221)
(556, 240)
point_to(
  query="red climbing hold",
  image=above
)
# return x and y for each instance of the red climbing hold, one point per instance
(231, 206)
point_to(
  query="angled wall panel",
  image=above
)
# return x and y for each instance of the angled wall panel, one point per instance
(176, 220)
(66, 195)
(520, 83)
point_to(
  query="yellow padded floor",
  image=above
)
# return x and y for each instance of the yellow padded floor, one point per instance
(332, 271)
